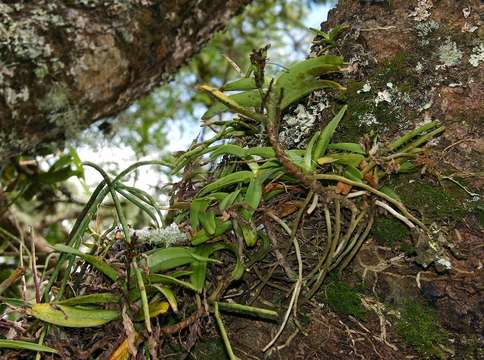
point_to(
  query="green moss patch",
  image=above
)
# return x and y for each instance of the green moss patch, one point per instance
(419, 327)
(343, 299)
(389, 231)
(435, 203)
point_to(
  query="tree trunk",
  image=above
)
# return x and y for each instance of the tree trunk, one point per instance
(65, 64)
(412, 62)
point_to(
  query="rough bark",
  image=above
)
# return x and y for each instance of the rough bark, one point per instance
(411, 62)
(65, 64)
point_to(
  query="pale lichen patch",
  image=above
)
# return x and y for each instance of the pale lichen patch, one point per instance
(424, 29)
(477, 55)
(422, 10)
(301, 121)
(449, 54)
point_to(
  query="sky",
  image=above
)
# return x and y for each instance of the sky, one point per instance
(179, 138)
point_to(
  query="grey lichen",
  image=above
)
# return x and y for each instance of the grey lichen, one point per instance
(422, 10)
(60, 112)
(10, 140)
(13, 97)
(424, 29)
(168, 236)
(477, 55)
(449, 54)
(300, 123)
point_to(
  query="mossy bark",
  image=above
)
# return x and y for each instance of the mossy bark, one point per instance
(65, 64)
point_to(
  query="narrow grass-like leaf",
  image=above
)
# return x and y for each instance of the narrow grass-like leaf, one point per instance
(25, 345)
(349, 147)
(144, 298)
(405, 138)
(134, 293)
(82, 224)
(227, 180)
(423, 139)
(327, 134)
(135, 201)
(167, 280)
(100, 265)
(150, 200)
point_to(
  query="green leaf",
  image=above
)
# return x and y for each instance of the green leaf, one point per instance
(25, 345)
(208, 221)
(390, 192)
(348, 158)
(406, 167)
(197, 208)
(265, 152)
(253, 194)
(62, 162)
(228, 149)
(100, 298)
(338, 29)
(240, 84)
(153, 310)
(230, 179)
(52, 177)
(167, 280)
(249, 234)
(71, 316)
(309, 160)
(200, 267)
(238, 103)
(169, 296)
(168, 258)
(201, 236)
(299, 80)
(93, 260)
(229, 200)
(349, 147)
(77, 162)
(323, 34)
(408, 136)
(327, 133)
(353, 173)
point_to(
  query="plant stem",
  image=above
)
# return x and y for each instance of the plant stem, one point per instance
(225, 337)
